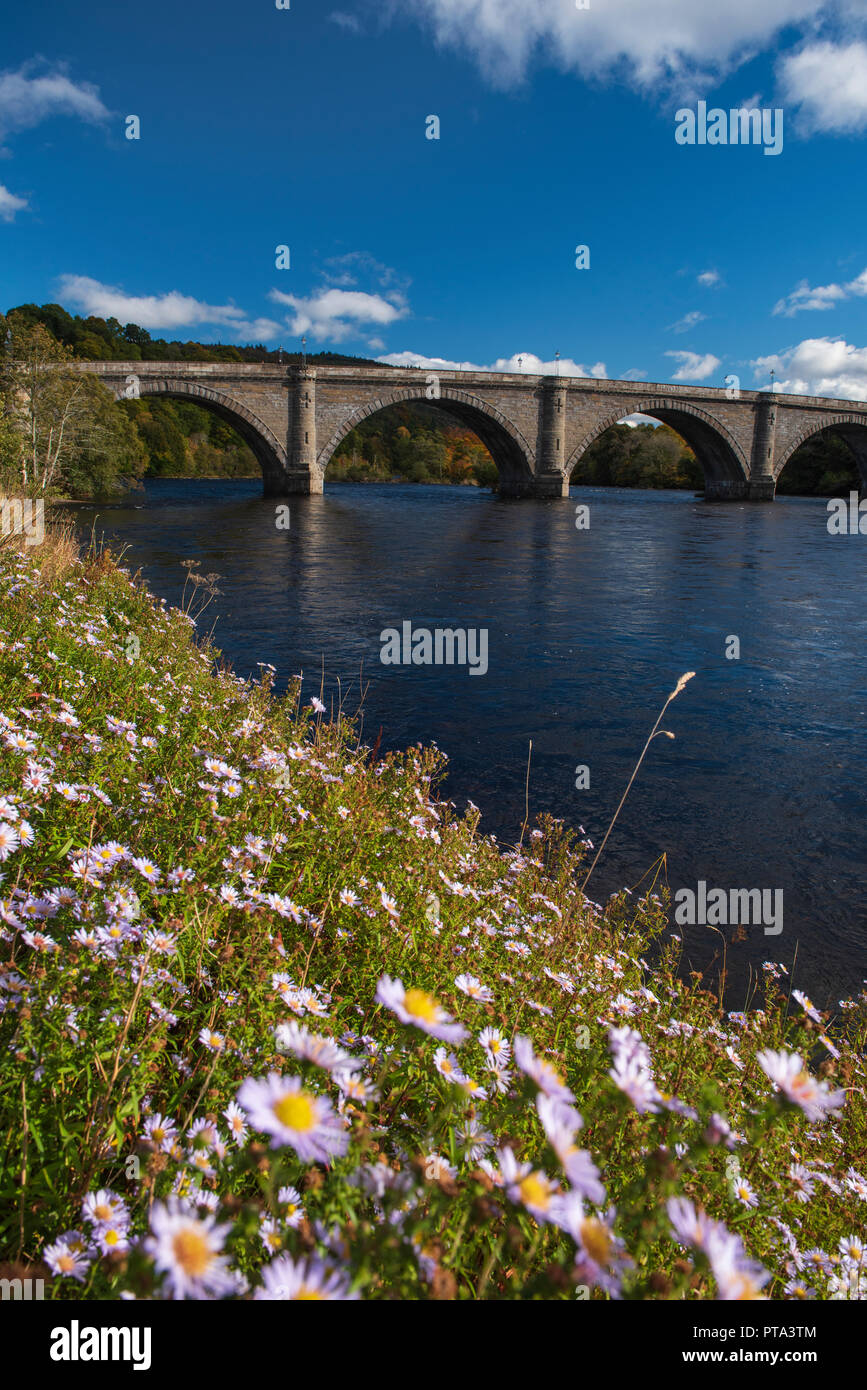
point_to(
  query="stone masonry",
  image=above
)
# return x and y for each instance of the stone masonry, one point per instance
(535, 427)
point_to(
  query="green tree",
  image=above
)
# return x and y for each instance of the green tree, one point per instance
(69, 436)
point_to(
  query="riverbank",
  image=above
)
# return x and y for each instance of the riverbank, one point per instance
(276, 1017)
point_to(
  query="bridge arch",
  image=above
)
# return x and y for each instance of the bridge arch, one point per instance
(725, 466)
(851, 428)
(269, 452)
(508, 448)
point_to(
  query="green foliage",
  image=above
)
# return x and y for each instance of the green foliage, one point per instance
(63, 433)
(823, 467)
(639, 456)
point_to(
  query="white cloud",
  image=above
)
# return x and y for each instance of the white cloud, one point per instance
(337, 314)
(829, 83)
(822, 297)
(688, 321)
(26, 101)
(638, 419)
(162, 311)
(526, 362)
(10, 203)
(709, 278)
(345, 21)
(817, 367)
(647, 43)
(694, 366)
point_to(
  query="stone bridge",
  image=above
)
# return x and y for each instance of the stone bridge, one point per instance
(535, 427)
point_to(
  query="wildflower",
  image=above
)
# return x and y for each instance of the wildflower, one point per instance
(187, 1249)
(103, 1206)
(632, 1071)
(281, 1107)
(561, 1123)
(160, 1131)
(355, 1088)
(63, 1260)
(291, 1205)
(786, 1070)
(304, 1281)
(600, 1256)
(214, 1042)
(388, 902)
(744, 1193)
(112, 1238)
(475, 1140)
(856, 1183)
(9, 840)
(414, 1006)
(163, 943)
(545, 1075)
(147, 869)
(448, 1066)
(469, 985)
(237, 1128)
(807, 1005)
(719, 1131)
(310, 1047)
(496, 1046)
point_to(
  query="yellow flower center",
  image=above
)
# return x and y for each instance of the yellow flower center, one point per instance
(102, 1212)
(421, 1005)
(296, 1111)
(66, 1263)
(307, 1295)
(191, 1251)
(111, 1237)
(535, 1191)
(596, 1240)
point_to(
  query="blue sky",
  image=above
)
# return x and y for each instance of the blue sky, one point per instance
(307, 127)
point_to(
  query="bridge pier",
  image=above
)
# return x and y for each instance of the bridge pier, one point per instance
(302, 474)
(762, 489)
(762, 486)
(726, 490)
(550, 485)
(292, 482)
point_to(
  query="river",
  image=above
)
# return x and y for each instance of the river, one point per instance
(588, 631)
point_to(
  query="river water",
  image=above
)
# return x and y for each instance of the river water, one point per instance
(588, 631)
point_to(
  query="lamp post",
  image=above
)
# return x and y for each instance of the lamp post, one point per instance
(773, 388)
(303, 354)
(520, 364)
(557, 355)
